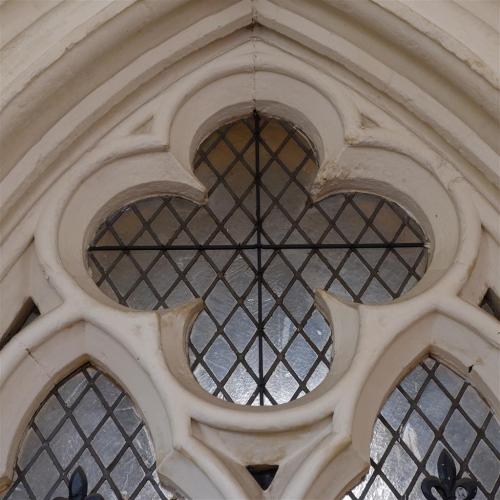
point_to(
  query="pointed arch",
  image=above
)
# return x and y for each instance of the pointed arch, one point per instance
(87, 420)
(94, 86)
(431, 409)
(63, 352)
(447, 341)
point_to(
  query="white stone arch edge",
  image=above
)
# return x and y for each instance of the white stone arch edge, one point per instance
(79, 304)
(282, 20)
(269, 56)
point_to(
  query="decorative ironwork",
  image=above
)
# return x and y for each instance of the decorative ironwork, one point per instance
(447, 484)
(87, 422)
(78, 487)
(263, 474)
(431, 410)
(255, 253)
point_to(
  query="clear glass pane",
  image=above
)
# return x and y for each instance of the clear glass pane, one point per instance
(87, 421)
(432, 408)
(255, 253)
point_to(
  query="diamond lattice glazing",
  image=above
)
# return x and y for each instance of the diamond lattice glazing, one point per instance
(431, 409)
(255, 253)
(87, 421)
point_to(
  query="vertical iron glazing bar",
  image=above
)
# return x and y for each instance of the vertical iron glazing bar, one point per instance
(256, 132)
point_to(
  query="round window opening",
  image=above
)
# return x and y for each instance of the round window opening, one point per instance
(255, 253)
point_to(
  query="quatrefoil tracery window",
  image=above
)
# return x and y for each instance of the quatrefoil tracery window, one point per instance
(255, 253)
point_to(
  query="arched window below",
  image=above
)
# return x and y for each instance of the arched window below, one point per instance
(432, 409)
(87, 421)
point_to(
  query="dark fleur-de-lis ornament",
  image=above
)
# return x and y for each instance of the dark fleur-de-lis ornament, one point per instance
(447, 484)
(78, 487)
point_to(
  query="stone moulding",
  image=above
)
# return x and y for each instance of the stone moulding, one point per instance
(135, 134)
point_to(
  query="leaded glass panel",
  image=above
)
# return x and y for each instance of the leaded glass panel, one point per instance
(255, 253)
(432, 408)
(87, 421)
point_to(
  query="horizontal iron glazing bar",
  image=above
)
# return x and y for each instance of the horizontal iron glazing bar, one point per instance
(287, 246)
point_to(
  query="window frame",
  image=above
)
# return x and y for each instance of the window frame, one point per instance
(106, 178)
(123, 245)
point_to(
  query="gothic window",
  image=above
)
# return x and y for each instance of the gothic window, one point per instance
(432, 409)
(87, 421)
(255, 253)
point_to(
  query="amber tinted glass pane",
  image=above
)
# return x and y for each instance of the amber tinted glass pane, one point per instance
(255, 254)
(431, 409)
(87, 421)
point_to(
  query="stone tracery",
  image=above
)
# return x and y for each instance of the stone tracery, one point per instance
(141, 143)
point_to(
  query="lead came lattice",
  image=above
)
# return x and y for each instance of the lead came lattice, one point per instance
(255, 253)
(431, 409)
(87, 421)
